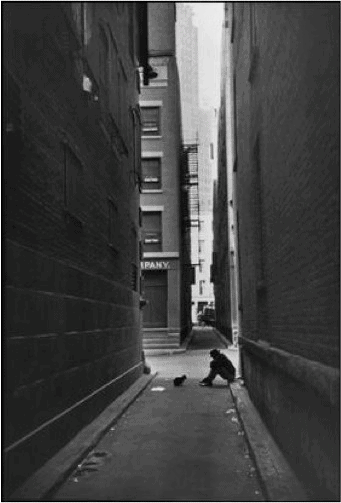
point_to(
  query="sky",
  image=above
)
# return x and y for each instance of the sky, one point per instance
(208, 17)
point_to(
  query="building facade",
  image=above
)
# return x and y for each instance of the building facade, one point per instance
(187, 59)
(163, 261)
(72, 159)
(284, 82)
(202, 290)
(221, 271)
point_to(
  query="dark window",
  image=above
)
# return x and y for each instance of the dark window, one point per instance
(151, 173)
(211, 151)
(152, 231)
(150, 121)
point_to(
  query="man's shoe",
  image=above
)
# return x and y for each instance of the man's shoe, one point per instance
(205, 383)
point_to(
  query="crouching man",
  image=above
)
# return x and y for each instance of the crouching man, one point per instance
(220, 365)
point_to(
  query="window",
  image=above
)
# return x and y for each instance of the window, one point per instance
(201, 245)
(201, 287)
(151, 173)
(152, 231)
(211, 151)
(73, 182)
(150, 121)
(201, 263)
(113, 224)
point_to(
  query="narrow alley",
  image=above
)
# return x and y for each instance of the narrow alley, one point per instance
(174, 443)
(171, 174)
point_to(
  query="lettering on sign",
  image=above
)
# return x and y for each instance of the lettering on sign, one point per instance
(154, 264)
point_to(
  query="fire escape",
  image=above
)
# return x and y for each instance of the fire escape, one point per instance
(190, 185)
(190, 222)
(190, 205)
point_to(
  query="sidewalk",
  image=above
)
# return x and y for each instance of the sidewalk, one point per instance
(171, 444)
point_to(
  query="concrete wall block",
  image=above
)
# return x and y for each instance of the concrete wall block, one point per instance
(304, 426)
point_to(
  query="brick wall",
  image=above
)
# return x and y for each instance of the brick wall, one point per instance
(286, 63)
(72, 311)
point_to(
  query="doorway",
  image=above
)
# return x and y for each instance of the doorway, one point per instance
(155, 292)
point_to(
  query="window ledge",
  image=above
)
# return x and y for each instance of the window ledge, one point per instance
(152, 191)
(150, 137)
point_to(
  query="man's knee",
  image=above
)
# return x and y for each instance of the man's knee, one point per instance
(225, 374)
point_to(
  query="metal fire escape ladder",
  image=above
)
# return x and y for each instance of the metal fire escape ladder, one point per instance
(192, 184)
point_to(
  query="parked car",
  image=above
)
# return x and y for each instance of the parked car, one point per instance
(207, 317)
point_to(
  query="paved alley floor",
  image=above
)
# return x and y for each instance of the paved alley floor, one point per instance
(172, 444)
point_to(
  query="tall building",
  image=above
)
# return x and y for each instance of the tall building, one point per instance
(187, 58)
(282, 103)
(199, 141)
(202, 290)
(222, 217)
(71, 170)
(165, 264)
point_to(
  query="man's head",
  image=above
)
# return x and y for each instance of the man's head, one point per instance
(214, 353)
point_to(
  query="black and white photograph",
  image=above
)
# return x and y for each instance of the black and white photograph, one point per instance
(171, 251)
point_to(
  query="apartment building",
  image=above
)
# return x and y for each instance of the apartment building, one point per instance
(164, 263)
(71, 169)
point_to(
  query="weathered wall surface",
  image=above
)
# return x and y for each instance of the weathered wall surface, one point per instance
(72, 305)
(286, 68)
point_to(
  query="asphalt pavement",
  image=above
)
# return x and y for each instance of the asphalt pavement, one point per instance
(173, 443)
(159, 442)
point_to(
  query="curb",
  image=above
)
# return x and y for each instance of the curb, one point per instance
(277, 478)
(223, 340)
(168, 351)
(53, 473)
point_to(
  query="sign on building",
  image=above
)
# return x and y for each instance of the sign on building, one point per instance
(154, 265)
